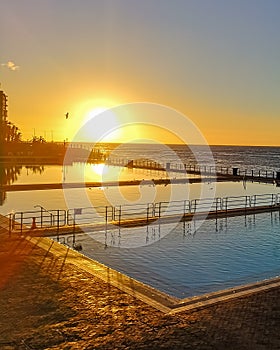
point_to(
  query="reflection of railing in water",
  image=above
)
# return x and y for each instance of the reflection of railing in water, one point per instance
(152, 233)
(141, 214)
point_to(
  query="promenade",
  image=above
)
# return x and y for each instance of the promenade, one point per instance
(50, 300)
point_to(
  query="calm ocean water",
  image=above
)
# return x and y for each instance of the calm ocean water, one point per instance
(245, 157)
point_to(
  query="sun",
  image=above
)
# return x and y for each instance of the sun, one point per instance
(101, 124)
(94, 112)
(109, 124)
(104, 121)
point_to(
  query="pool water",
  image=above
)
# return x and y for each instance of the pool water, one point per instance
(222, 253)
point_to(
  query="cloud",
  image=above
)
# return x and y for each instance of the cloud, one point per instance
(10, 65)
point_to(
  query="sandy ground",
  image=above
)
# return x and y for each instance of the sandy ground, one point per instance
(48, 303)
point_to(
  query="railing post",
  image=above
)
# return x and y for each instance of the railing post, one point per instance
(154, 210)
(184, 209)
(13, 221)
(67, 217)
(225, 204)
(64, 217)
(159, 210)
(10, 224)
(41, 217)
(74, 222)
(120, 214)
(194, 205)
(190, 207)
(21, 221)
(57, 213)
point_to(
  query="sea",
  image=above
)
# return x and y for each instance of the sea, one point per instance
(265, 158)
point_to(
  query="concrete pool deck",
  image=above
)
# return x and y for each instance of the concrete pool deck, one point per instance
(54, 298)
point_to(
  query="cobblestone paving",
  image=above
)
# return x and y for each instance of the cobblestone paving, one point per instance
(46, 303)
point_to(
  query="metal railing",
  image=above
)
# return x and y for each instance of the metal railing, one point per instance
(79, 216)
(193, 168)
(38, 219)
(117, 215)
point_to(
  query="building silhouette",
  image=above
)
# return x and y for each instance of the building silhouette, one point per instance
(8, 131)
(3, 115)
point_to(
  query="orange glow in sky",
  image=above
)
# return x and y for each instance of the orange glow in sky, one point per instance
(216, 63)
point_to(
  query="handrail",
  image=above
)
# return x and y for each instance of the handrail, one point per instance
(28, 219)
(145, 211)
(193, 168)
(44, 209)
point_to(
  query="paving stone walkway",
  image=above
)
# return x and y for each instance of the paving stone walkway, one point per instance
(49, 303)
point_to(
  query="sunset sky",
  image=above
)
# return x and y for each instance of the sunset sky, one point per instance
(215, 61)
